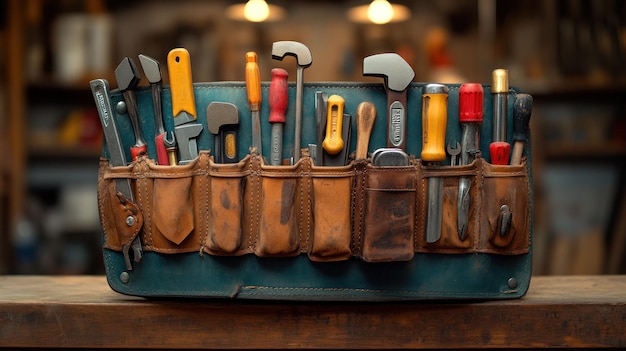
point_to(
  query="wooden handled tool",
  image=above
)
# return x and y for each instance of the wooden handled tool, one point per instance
(365, 116)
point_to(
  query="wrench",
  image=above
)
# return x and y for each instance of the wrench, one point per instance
(454, 153)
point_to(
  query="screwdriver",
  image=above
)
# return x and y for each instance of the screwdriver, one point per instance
(434, 120)
(278, 100)
(499, 149)
(522, 109)
(333, 142)
(470, 116)
(253, 87)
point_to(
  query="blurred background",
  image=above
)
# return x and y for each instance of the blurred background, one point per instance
(569, 54)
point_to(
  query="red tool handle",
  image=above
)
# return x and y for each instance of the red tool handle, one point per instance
(136, 151)
(162, 157)
(471, 103)
(499, 152)
(278, 95)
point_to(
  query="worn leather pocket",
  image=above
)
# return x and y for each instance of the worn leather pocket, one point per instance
(389, 223)
(331, 213)
(505, 210)
(450, 240)
(278, 211)
(225, 208)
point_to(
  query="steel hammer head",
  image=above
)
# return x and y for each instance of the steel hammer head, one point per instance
(293, 48)
(220, 114)
(397, 73)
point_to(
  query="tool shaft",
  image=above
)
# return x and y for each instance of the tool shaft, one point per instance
(434, 210)
(298, 121)
(276, 154)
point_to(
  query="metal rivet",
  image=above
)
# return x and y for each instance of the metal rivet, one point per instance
(130, 221)
(121, 108)
(512, 283)
(124, 277)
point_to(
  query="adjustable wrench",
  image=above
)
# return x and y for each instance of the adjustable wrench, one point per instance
(117, 157)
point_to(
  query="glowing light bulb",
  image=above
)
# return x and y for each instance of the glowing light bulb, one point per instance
(256, 10)
(380, 11)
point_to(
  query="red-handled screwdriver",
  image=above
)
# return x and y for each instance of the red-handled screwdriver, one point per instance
(278, 100)
(470, 116)
(500, 149)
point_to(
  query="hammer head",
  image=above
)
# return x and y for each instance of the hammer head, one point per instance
(220, 114)
(294, 48)
(397, 73)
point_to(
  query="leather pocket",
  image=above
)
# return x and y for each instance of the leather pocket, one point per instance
(225, 197)
(169, 195)
(450, 240)
(331, 213)
(389, 225)
(278, 210)
(505, 212)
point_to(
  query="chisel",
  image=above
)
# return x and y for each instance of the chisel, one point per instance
(499, 149)
(522, 109)
(253, 87)
(434, 120)
(278, 100)
(117, 157)
(470, 116)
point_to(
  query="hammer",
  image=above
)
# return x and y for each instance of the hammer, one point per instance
(397, 74)
(304, 60)
(222, 120)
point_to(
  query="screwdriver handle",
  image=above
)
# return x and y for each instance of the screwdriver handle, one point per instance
(471, 103)
(136, 151)
(434, 120)
(181, 84)
(161, 151)
(278, 95)
(333, 142)
(253, 81)
(522, 108)
(499, 152)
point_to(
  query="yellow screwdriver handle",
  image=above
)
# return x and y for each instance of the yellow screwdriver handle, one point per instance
(253, 81)
(333, 142)
(434, 120)
(181, 84)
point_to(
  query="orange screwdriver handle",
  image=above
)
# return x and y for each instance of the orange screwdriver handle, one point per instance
(434, 120)
(278, 95)
(333, 142)
(181, 84)
(253, 81)
(136, 151)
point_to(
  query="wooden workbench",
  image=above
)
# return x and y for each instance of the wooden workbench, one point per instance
(83, 312)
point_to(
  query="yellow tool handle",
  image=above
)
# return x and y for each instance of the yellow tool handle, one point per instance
(253, 81)
(181, 84)
(434, 120)
(333, 143)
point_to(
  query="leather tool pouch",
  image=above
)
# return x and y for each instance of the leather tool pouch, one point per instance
(353, 232)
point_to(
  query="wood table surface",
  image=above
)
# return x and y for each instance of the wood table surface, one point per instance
(83, 312)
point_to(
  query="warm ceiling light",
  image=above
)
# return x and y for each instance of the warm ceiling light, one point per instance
(255, 11)
(379, 12)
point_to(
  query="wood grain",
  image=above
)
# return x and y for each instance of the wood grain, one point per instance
(83, 312)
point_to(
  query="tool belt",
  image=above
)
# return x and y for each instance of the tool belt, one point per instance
(308, 232)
